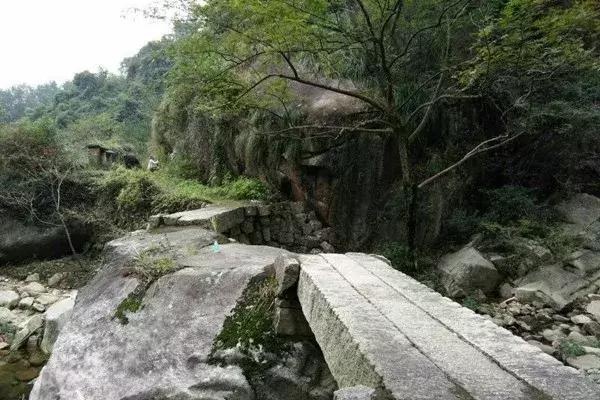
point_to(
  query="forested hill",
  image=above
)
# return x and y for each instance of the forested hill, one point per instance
(102, 108)
(397, 121)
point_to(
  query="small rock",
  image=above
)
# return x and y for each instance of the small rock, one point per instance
(592, 350)
(585, 362)
(580, 339)
(594, 309)
(33, 288)
(544, 347)
(26, 375)
(524, 325)
(327, 248)
(3, 345)
(6, 316)
(38, 307)
(33, 278)
(46, 299)
(560, 318)
(8, 298)
(581, 319)
(29, 327)
(506, 291)
(26, 303)
(37, 358)
(56, 278)
(355, 393)
(593, 328)
(551, 335)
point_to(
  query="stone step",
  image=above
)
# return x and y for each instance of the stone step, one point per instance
(219, 218)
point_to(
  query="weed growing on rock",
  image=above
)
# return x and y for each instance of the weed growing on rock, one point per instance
(249, 329)
(147, 269)
(131, 304)
(471, 303)
(569, 348)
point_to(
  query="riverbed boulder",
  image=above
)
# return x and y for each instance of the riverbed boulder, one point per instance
(133, 338)
(466, 271)
(22, 242)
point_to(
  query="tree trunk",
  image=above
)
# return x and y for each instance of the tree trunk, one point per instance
(411, 195)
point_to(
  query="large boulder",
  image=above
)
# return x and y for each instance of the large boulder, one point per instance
(581, 217)
(20, 242)
(160, 349)
(467, 271)
(581, 209)
(559, 284)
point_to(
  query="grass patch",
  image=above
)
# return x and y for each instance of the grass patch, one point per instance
(569, 348)
(250, 327)
(131, 304)
(131, 196)
(471, 303)
(147, 269)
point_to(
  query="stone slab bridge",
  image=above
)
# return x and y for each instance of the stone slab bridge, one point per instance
(381, 329)
(386, 336)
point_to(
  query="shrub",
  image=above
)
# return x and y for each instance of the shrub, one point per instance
(461, 225)
(399, 255)
(251, 323)
(569, 348)
(129, 192)
(244, 188)
(511, 203)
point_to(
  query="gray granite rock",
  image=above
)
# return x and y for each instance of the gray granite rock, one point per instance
(8, 298)
(27, 329)
(355, 393)
(163, 350)
(466, 271)
(56, 317)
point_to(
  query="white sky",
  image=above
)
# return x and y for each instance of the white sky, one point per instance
(46, 40)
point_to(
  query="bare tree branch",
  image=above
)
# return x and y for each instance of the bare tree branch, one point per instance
(480, 148)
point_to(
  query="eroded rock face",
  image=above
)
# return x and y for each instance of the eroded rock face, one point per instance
(163, 349)
(19, 242)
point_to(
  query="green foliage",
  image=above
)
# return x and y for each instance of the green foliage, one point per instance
(399, 255)
(250, 326)
(131, 304)
(471, 303)
(133, 195)
(569, 348)
(511, 203)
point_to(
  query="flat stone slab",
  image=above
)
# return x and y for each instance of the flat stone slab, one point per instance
(382, 329)
(219, 218)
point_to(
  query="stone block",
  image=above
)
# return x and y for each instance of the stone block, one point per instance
(287, 272)
(264, 210)
(8, 298)
(250, 211)
(355, 393)
(56, 316)
(247, 226)
(266, 232)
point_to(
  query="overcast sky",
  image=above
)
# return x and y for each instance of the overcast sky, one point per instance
(46, 40)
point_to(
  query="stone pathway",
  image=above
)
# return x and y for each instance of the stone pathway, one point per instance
(381, 329)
